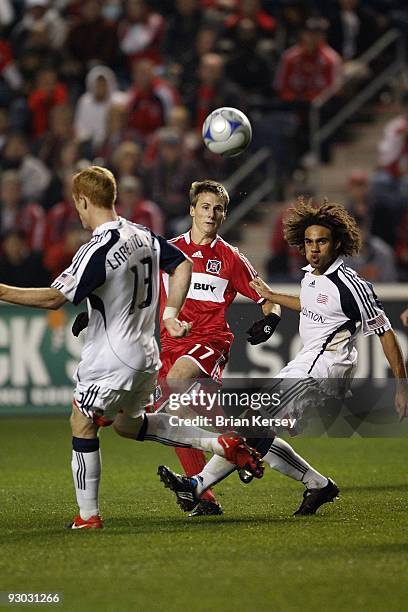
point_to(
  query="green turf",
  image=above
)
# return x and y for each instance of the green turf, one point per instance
(352, 556)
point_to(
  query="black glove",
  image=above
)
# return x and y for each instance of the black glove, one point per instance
(262, 330)
(80, 323)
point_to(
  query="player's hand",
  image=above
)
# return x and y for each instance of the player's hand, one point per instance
(176, 328)
(404, 317)
(261, 288)
(80, 323)
(262, 330)
(401, 399)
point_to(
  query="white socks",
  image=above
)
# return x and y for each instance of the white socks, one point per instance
(282, 458)
(86, 472)
(160, 429)
(215, 470)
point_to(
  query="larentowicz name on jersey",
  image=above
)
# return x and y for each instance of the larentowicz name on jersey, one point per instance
(122, 254)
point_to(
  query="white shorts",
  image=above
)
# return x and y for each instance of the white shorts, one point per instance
(300, 389)
(102, 401)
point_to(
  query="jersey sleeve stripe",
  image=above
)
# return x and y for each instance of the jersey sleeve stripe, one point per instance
(360, 291)
(84, 248)
(365, 287)
(251, 270)
(88, 253)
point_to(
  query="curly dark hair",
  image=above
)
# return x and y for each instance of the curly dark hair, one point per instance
(333, 216)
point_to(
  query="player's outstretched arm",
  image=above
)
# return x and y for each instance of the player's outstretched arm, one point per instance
(262, 330)
(179, 284)
(393, 353)
(404, 317)
(281, 299)
(43, 297)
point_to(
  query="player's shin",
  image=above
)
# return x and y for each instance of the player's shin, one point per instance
(214, 471)
(193, 462)
(282, 458)
(86, 472)
(158, 427)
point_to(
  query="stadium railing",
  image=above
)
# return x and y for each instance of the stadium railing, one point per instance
(391, 42)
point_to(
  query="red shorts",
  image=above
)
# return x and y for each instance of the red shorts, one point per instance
(211, 356)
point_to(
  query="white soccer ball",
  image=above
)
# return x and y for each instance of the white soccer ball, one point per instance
(227, 131)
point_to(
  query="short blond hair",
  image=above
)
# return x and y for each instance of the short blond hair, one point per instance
(210, 186)
(96, 183)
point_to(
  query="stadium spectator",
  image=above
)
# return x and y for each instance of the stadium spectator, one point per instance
(151, 99)
(34, 175)
(48, 93)
(252, 10)
(93, 106)
(257, 76)
(170, 176)
(67, 161)
(112, 10)
(205, 42)
(291, 18)
(393, 150)
(141, 32)
(40, 15)
(285, 262)
(181, 34)
(310, 67)
(7, 14)
(181, 120)
(353, 28)
(134, 207)
(211, 90)
(59, 255)
(10, 77)
(19, 266)
(17, 213)
(61, 215)
(126, 160)
(117, 131)
(358, 195)
(376, 260)
(60, 132)
(91, 40)
(305, 71)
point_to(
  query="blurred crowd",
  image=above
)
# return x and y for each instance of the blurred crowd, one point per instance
(378, 201)
(127, 84)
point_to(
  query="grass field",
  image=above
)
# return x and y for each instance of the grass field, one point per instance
(352, 556)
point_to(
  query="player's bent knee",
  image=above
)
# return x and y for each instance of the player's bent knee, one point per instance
(81, 426)
(184, 369)
(126, 427)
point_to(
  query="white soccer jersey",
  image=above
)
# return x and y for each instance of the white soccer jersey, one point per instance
(117, 271)
(334, 307)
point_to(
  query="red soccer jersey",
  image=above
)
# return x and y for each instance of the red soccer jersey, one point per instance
(220, 271)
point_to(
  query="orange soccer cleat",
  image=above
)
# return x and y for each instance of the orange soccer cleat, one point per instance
(237, 451)
(94, 522)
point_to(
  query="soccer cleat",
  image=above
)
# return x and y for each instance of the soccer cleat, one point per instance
(314, 498)
(205, 507)
(237, 451)
(183, 487)
(245, 476)
(94, 522)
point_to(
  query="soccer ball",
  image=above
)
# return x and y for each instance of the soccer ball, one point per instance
(227, 131)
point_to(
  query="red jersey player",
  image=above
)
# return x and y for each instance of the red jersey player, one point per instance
(220, 271)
